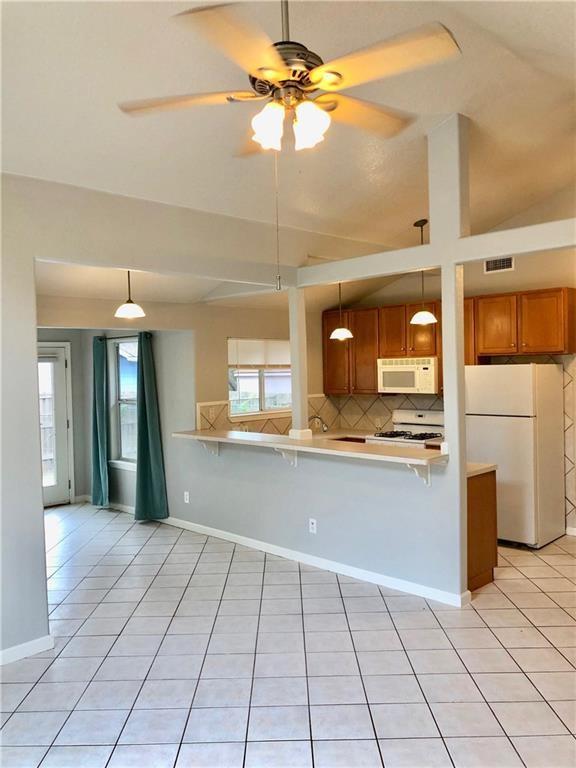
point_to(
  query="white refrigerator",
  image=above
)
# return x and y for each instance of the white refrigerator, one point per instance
(515, 419)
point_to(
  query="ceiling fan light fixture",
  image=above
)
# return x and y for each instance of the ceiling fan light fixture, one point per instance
(423, 317)
(268, 126)
(129, 310)
(310, 125)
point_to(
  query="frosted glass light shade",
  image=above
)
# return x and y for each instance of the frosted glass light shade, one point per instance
(423, 317)
(129, 311)
(341, 334)
(310, 125)
(268, 126)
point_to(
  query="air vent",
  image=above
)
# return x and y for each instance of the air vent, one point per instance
(499, 265)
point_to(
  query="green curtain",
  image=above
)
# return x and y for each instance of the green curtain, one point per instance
(100, 439)
(151, 498)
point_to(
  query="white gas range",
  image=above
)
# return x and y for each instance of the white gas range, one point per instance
(419, 428)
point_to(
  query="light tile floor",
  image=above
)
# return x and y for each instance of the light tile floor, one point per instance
(174, 649)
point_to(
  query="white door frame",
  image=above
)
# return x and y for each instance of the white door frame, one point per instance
(66, 346)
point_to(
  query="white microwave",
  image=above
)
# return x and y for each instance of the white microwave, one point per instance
(408, 374)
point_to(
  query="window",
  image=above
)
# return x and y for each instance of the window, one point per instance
(124, 360)
(259, 379)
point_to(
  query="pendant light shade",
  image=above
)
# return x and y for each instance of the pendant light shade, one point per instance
(422, 316)
(129, 310)
(341, 333)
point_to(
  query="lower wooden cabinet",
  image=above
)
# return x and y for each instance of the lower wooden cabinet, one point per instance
(482, 529)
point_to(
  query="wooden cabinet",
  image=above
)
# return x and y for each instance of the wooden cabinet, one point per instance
(469, 333)
(421, 339)
(363, 351)
(496, 325)
(335, 355)
(392, 331)
(545, 321)
(522, 323)
(482, 534)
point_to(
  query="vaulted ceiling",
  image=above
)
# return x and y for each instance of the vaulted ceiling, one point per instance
(66, 65)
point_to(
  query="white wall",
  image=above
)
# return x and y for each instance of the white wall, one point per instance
(23, 609)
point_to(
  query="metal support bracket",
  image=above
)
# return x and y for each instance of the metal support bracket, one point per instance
(288, 455)
(212, 447)
(422, 471)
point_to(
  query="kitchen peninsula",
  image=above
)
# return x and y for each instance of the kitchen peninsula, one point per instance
(372, 516)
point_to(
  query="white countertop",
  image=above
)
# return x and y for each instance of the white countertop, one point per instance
(325, 443)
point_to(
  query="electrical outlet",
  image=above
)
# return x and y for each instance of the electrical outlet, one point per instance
(312, 525)
(186, 497)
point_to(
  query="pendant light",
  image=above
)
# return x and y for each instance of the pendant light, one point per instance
(423, 316)
(341, 333)
(129, 310)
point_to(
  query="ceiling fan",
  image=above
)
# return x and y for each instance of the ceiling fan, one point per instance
(288, 76)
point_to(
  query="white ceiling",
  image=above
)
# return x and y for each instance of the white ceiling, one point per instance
(66, 65)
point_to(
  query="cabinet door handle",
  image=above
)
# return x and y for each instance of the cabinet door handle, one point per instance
(524, 344)
(512, 345)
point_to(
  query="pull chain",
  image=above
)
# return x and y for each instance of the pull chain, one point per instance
(278, 276)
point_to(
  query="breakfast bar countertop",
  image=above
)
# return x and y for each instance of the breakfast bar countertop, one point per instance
(330, 444)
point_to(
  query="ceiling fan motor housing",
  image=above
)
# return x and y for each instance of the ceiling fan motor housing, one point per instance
(299, 60)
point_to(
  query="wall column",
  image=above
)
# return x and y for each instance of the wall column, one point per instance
(449, 221)
(24, 607)
(298, 363)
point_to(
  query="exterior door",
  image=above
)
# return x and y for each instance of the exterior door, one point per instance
(52, 393)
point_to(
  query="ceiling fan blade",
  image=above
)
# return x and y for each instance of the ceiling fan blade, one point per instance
(419, 48)
(374, 118)
(245, 44)
(168, 103)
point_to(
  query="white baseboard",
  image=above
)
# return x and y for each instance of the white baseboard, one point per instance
(83, 497)
(451, 598)
(570, 530)
(17, 652)
(121, 508)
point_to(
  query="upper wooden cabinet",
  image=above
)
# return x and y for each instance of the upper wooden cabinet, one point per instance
(335, 355)
(392, 331)
(523, 323)
(363, 351)
(496, 325)
(397, 338)
(546, 321)
(469, 333)
(421, 338)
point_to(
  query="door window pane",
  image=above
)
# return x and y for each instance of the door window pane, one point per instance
(47, 424)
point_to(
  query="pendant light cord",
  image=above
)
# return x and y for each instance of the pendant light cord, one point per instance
(340, 301)
(285, 20)
(129, 291)
(277, 216)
